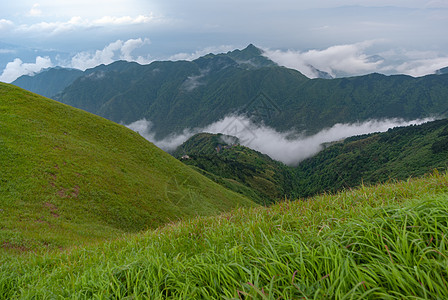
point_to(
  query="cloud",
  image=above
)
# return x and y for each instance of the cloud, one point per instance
(335, 60)
(421, 67)
(77, 22)
(288, 147)
(143, 127)
(35, 11)
(7, 51)
(18, 68)
(412, 62)
(117, 50)
(6, 24)
(130, 45)
(352, 59)
(202, 52)
(54, 27)
(194, 81)
(108, 20)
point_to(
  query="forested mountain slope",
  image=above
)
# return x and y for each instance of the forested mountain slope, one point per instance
(190, 94)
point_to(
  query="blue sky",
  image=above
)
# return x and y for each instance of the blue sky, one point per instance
(341, 37)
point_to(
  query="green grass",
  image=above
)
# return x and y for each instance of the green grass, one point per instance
(68, 178)
(385, 242)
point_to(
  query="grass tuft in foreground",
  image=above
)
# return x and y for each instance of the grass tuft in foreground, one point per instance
(387, 242)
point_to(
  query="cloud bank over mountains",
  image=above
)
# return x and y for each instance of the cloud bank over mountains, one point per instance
(118, 50)
(343, 39)
(338, 61)
(358, 59)
(287, 147)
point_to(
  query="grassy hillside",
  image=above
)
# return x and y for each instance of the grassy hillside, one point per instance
(68, 177)
(382, 242)
(238, 168)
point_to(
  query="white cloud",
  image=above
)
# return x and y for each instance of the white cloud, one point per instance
(7, 51)
(339, 59)
(423, 66)
(54, 27)
(82, 23)
(35, 10)
(288, 147)
(117, 50)
(130, 45)
(86, 60)
(351, 60)
(108, 20)
(202, 52)
(18, 68)
(5, 24)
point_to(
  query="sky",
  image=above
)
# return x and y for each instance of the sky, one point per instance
(341, 37)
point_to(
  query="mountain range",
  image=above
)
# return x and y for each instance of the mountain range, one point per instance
(91, 209)
(190, 94)
(398, 154)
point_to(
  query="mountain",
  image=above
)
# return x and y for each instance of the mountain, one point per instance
(397, 154)
(238, 168)
(49, 82)
(320, 74)
(68, 177)
(442, 71)
(191, 94)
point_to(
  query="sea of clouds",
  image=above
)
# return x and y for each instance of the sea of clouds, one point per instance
(288, 147)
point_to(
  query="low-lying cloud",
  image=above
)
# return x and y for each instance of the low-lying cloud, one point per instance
(335, 60)
(359, 59)
(288, 147)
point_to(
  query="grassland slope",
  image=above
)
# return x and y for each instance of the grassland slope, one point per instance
(380, 242)
(69, 177)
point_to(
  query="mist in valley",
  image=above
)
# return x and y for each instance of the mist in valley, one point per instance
(289, 147)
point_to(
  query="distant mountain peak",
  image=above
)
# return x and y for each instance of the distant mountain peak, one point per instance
(247, 53)
(250, 57)
(252, 50)
(442, 71)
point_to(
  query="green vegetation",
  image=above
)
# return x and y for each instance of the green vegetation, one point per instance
(207, 89)
(385, 242)
(238, 168)
(50, 82)
(68, 177)
(399, 153)
(90, 209)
